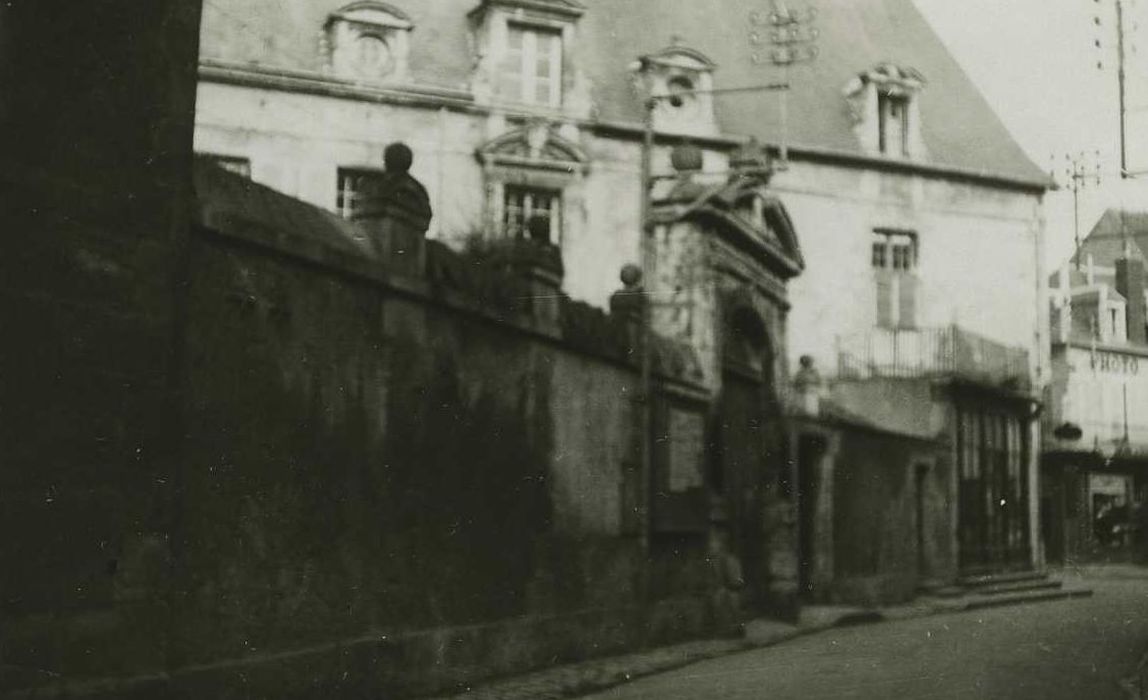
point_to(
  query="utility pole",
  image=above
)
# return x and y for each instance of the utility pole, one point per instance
(1076, 176)
(1120, 57)
(646, 253)
(1123, 49)
(790, 37)
(646, 264)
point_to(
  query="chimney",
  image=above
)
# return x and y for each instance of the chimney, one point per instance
(1130, 283)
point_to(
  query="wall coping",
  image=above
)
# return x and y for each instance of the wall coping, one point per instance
(365, 269)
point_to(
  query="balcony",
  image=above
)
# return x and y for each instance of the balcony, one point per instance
(932, 353)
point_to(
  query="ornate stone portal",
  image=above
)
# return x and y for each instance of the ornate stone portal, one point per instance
(724, 253)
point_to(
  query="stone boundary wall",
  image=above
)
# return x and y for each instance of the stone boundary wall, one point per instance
(341, 480)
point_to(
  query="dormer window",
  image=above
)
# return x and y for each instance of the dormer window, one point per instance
(526, 58)
(883, 102)
(681, 79)
(369, 42)
(893, 124)
(532, 66)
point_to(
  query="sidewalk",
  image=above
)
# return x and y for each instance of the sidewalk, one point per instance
(574, 680)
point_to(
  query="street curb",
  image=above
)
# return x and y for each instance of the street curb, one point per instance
(579, 680)
(1136, 684)
(1030, 597)
(1142, 676)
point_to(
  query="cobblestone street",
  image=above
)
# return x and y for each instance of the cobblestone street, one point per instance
(1078, 648)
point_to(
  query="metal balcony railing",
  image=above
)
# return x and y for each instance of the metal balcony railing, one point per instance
(949, 352)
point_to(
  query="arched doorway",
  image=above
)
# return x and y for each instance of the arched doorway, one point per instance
(747, 426)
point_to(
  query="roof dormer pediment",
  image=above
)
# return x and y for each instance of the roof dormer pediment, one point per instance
(373, 13)
(567, 9)
(744, 214)
(682, 58)
(680, 79)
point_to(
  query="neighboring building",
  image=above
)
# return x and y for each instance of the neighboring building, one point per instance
(1095, 461)
(920, 219)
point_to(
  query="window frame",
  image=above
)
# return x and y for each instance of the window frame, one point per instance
(344, 208)
(529, 191)
(887, 102)
(523, 74)
(894, 259)
(229, 163)
(885, 241)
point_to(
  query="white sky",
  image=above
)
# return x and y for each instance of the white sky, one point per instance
(1036, 63)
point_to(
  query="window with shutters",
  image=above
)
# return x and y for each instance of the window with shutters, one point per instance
(894, 261)
(531, 70)
(527, 56)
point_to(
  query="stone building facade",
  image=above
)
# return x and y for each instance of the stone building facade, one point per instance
(1095, 461)
(917, 211)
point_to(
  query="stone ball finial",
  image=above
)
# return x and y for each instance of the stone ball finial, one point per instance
(808, 376)
(686, 157)
(398, 157)
(631, 275)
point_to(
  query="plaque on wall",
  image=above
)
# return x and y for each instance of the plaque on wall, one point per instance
(686, 446)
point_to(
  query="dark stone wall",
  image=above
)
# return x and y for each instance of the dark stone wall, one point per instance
(102, 93)
(875, 517)
(230, 468)
(354, 461)
(364, 465)
(353, 484)
(95, 134)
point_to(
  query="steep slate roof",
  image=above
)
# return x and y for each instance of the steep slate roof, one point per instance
(959, 128)
(1105, 242)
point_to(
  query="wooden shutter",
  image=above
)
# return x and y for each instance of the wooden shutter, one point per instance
(884, 298)
(907, 284)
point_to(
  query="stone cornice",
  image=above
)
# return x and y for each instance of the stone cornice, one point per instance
(1138, 351)
(433, 97)
(315, 83)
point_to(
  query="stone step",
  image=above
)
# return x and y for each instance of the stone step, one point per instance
(1016, 587)
(980, 580)
(1022, 597)
(949, 592)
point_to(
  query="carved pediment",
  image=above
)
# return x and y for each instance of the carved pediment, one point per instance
(369, 42)
(745, 214)
(374, 14)
(536, 146)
